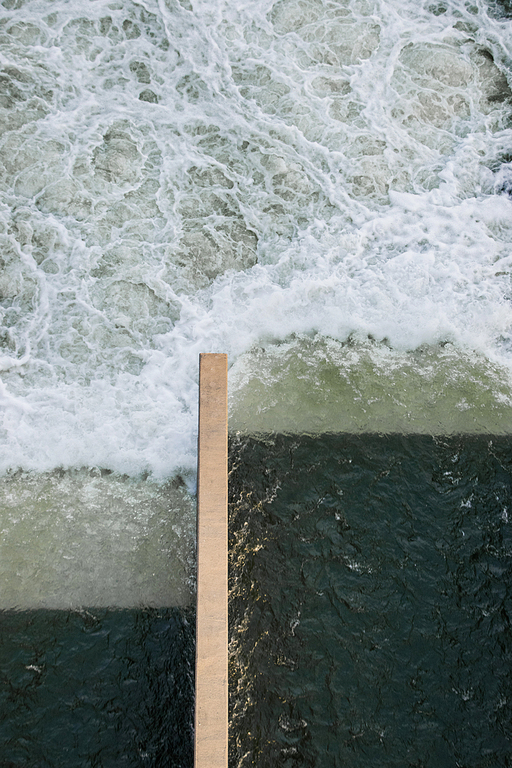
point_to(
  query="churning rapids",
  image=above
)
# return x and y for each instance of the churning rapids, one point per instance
(319, 188)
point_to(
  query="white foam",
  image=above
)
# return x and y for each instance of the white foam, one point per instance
(180, 178)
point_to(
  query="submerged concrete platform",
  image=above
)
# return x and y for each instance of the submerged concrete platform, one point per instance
(211, 708)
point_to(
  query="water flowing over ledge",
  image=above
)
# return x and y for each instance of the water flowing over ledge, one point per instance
(94, 539)
(319, 386)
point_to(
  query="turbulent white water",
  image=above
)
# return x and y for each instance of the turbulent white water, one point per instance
(248, 176)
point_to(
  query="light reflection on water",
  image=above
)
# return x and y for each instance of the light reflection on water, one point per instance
(371, 600)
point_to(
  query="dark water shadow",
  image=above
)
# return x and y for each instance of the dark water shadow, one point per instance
(99, 688)
(371, 601)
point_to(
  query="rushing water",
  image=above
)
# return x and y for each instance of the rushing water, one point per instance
(320, 188)
(182, 177)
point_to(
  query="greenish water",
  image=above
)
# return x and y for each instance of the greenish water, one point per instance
(371, 602)
(370, 605)
(317, 385)
(96, 688)
(89, 537)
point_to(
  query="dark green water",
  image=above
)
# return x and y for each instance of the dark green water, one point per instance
(96, 689)
(371, 596)
(371, 601)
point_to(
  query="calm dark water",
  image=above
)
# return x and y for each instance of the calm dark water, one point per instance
(371, 601)
(96, 689)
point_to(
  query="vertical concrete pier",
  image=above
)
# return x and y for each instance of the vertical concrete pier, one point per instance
(211, 711)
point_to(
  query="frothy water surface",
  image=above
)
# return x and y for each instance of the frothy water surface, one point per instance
(182, 177)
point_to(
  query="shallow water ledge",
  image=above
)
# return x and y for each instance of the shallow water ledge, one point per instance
(317, 385)
(91, 538)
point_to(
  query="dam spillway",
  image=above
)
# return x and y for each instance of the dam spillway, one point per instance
(322, 189)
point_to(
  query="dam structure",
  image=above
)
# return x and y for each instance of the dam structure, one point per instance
(321, 189)
(211, 681)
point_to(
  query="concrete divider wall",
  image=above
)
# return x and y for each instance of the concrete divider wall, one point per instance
(211, 708)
